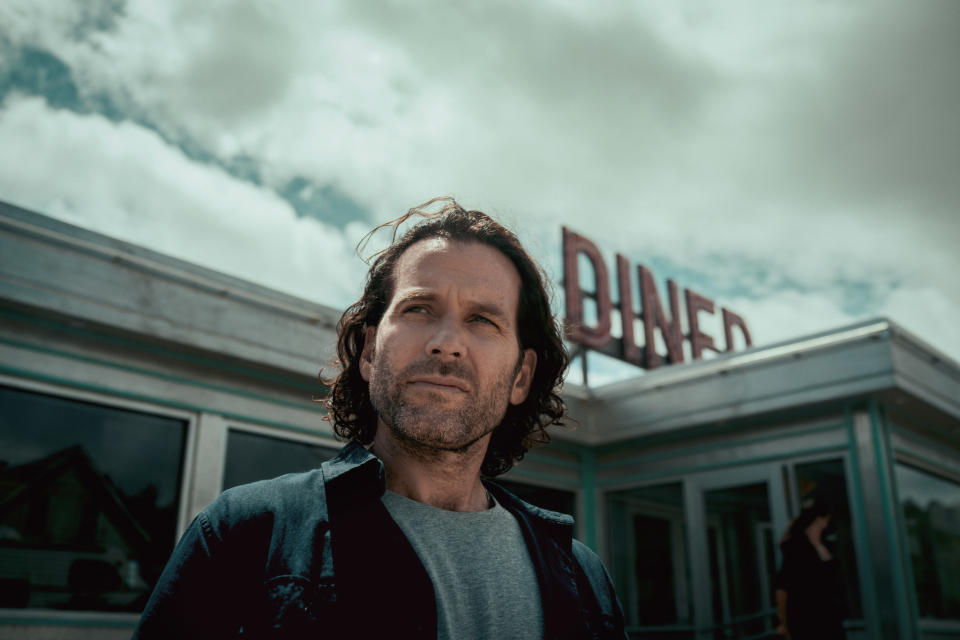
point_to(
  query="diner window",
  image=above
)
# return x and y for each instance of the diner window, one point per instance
(931, 512)
(88, 502)
(648, 555)
(825, 480)
(253, 456)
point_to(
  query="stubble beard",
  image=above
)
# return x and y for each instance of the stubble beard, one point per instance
(428, 428)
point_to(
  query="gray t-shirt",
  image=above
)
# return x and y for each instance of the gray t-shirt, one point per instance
(483, 578)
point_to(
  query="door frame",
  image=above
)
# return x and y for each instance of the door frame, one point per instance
(694, 487)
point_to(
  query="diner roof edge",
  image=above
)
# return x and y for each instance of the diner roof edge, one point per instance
(880, 328)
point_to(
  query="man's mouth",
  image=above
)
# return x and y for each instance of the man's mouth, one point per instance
(440, 383)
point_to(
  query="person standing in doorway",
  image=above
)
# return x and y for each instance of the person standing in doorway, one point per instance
(808, 587)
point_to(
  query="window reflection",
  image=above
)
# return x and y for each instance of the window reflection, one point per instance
(931, 512)
(739, 534)
(88, 500)
(252, 457)
(648, 556)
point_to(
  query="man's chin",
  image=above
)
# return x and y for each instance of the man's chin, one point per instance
(438, 440)
(440, 444)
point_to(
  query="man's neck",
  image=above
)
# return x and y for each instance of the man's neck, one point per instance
(443, 479)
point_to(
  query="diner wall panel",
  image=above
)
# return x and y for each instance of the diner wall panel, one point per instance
(64, 269)
(639, 465)
(662, 402)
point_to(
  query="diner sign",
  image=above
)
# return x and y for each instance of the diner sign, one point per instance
(598, 336)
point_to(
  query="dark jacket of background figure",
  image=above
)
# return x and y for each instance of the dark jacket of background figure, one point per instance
(316, 554)
(814, 592)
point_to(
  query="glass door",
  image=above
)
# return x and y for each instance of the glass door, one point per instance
(735, 518)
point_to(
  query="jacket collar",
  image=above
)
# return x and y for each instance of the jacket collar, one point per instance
(356, 474)
(512, 503)
(353, 458)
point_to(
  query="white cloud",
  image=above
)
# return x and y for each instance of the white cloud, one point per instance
(927, 313)
(124, 181)
(788, 314)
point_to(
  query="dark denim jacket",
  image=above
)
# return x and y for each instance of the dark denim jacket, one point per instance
(317, 555)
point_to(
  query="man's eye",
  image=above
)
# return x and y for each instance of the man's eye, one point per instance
(484, 320)
(415, 308)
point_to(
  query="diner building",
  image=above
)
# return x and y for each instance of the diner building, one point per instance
(135, 388)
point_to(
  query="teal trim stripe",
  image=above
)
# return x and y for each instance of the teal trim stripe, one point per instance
(568, 447)
(710, 448)
(156, 374)
(890, 521)
(166, 402)
(902, 530)
(868, 591)
(739, 462)
(936, 629)
(588, 481)
(935, 466)
(85, 622)
(551, 461)
(829, 410)
(538, 476)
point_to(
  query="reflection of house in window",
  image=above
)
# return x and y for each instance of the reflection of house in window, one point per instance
(68, 537)
(934, 543)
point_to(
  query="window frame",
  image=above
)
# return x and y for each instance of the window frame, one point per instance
(319, 438)
(951, 625)
(89, 618)
(683, 587)
(289, 435)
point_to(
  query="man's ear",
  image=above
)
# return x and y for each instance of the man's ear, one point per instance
(524, 377)
(366, 356)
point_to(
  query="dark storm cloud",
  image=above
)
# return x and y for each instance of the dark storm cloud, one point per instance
(241, 62)
(875, 120)
(609, 74)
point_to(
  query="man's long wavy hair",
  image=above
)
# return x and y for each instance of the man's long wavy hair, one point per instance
(524, 425)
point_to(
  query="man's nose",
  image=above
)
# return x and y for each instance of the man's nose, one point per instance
(446, 341)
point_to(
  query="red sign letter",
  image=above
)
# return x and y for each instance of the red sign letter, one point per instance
(653, 315)
(698, 340)
(631, 352)
(598, 336)
(731, 320)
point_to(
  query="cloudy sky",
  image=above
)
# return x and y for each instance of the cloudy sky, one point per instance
(798, 163)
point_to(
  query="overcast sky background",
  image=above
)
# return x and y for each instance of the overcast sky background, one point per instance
(798, 163)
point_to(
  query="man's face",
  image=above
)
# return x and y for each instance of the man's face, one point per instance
(444, 361)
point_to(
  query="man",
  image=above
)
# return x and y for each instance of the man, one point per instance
(451, 363)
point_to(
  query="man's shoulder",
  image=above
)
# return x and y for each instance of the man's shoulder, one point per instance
(590, 562)
(607, 614)
(283, 496)
(299, 499)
